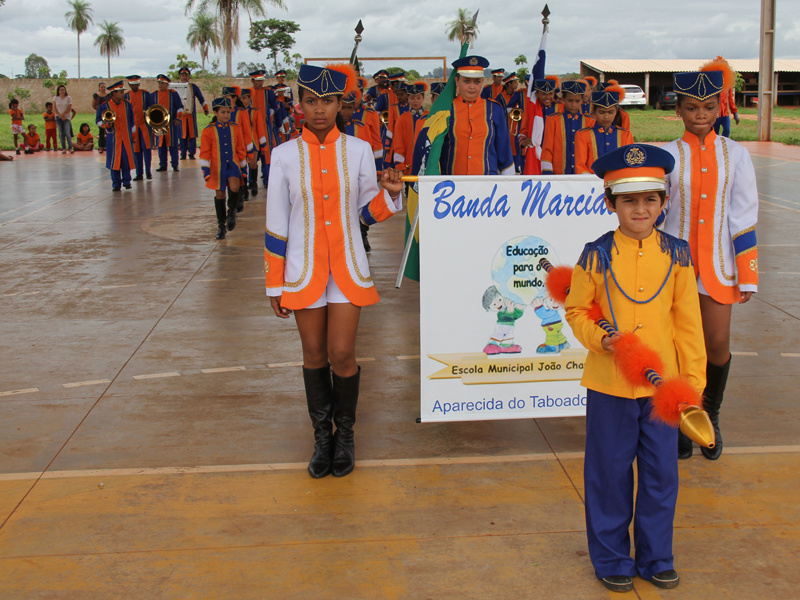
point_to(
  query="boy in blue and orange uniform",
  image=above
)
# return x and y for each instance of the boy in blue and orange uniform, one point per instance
(189, 117)
(265, 100)
(558, 144)
(643, 281)
(513, 102)
(408, 127)
(259, 134)
(603, 137)
(142, 138)
(223, 155)
(119, 145)
(169, 142)
(477, 141)
(623, 118)
(492, 90)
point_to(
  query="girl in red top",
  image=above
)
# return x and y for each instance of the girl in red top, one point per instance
(16, 121)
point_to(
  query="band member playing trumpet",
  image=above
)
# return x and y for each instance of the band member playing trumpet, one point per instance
(513, 101)
(142, 138)
(189, 118)
(171, 100)
(116, 118)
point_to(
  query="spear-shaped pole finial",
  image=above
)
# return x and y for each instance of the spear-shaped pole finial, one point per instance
(545, 20)
(353, 57)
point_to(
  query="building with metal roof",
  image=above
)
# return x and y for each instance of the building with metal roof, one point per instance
(655, 75)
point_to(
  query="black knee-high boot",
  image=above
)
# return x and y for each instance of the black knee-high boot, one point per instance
(716, 379)
(233, 202)
(244, 195)
(219, 206)
(345, 400)
(319, 396)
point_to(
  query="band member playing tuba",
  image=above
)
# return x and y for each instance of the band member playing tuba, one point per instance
(189, 118)
(171, 101)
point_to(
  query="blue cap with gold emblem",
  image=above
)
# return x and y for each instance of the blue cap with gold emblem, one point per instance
(134, 79)
(437, 87)
(382, 72)
(573, 87)
(498, 71)
(230, 91)
(470, 66)
(184, 70)
(161, 78)
(221, 103)
(635, 168)
(546, 86)
(605, 99)
(258, 74)
(509, 78)
(323, 81)
(117, 86)
(420, 87)
(700, 86)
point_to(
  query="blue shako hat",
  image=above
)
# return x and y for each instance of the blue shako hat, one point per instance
(699, 85)
(133, 79)
(437, 87)
(162, 78)
(183, 70)
(221, 103)
(605, 99)
(416, 88)
(573, 87)
(119, 85)
(320, 81)
(635, 168)
(544, 85)
(510, 77)
(258, 74)
(471, 66)
(230, 91)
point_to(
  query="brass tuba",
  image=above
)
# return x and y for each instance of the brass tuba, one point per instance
(109, 117)
(157, 117)
(385, 117)
(516, 114)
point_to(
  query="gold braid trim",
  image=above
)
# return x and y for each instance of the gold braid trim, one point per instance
(306, 226)
(722, 213)
(347, 213)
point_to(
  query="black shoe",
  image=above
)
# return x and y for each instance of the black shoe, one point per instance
(18, 152)
(254, 187)
(138, 178)
(666, 580)
(222, 229)
(149, 175)
(618, 583)
(159, 169)
(233, 202)
(191, 158)
(716, 379)
(176, 169)
(115, 189)
(685, 447)
(219, 208)
(345, 400)
(319, 397)
(183, 157)
(127, 187)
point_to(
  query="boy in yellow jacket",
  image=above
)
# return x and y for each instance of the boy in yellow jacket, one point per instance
(643, 281)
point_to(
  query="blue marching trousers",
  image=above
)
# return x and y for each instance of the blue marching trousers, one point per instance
(142, 159)
(724, 124)
(189, 144)
(123, 175)
(264, 169)
(619, 430)
(173, 156)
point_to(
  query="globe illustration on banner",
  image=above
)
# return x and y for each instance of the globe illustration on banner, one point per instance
(516, 271)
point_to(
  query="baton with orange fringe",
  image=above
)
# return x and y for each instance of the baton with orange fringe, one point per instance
(675, 402)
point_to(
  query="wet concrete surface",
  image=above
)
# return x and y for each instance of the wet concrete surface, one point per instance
(114, 304)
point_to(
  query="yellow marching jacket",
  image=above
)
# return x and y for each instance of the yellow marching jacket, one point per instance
(317, 194)
(669, 324)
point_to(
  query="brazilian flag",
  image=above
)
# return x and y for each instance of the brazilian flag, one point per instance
(435, 129)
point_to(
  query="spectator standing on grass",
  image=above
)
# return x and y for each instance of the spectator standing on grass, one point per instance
(50, 127)
(62, 105)
(101, 97)
(17, 117)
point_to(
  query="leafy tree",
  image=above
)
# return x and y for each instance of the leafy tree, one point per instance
(36, 67)
(457, 28)
(522, 72)
(181, 61)
(243, 69)
(203, 35)
(227, 12)
(20, 94)
(79, 19)
(739, 83)
(212, 81)
(520, 60)
(273, 34)
(52, 84)
(292, 64)
(110, 41)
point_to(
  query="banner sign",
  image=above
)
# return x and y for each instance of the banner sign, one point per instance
(493, 344)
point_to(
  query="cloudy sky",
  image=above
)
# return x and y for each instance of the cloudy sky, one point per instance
(155, 31)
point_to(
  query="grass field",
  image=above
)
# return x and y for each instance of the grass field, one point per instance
(648, 125)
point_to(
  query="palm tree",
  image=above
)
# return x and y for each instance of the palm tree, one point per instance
(457, 28)
(110, 41)
(228, 18)
(79, 19)
(203, 34)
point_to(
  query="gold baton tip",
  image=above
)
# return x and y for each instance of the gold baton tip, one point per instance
(410, 178)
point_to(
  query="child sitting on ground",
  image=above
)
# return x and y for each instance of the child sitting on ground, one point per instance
(31, 142)
(85, 141)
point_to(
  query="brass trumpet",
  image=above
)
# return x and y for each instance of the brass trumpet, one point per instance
(385, 117)
(109, 117)
(516, 114)
(157, 117)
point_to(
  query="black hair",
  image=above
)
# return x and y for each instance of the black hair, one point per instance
(46, 104)
(58, 89)
(80, 129)
(12, 102)
(680, 97)
(612, 198)
(340, 125)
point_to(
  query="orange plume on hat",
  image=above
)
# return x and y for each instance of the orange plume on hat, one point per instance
(363, 81)
(616, 88)
(554, 78)
(612, 82)
(347, 70)
(424, 85)
(591, 81)
(238, 89)
(720, 64)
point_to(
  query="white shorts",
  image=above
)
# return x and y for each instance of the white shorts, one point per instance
(701, 289)
(330, 295)
(17, 129)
